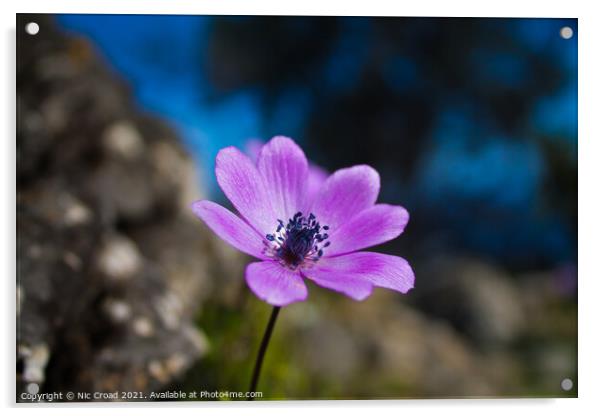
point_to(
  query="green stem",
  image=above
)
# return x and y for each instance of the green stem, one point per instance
(262, 349)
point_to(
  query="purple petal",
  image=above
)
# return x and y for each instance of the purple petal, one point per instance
(316, 175)
(370, 227)
(345, 193)
(275, 284)
(381, 270)
(245, 188)
(230, 228)
(284, 168)
(338, 280)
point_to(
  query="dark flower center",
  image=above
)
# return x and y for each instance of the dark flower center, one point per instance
(301, 239)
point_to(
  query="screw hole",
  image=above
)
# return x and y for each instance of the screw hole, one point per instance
(566, 33)
(567, 384)
(32, 28)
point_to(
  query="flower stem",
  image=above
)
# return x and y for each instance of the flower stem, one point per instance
(262, 349)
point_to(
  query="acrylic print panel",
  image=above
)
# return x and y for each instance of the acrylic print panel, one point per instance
(247, 207)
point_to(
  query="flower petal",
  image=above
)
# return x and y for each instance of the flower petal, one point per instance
(345, 193)
(230, 228)
(275, 284)
(370, 227)
(284, 168)
(381, 270)
(245, 188)
(331, 278)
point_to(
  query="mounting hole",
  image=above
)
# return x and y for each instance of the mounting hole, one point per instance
(566, 32)
(33, 388)
(32, 28)
(567, 384)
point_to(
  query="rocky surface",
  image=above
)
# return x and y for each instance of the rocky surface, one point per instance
(106, 294)
(469, 329)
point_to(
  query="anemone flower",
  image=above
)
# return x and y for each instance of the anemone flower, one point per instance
(298, 234)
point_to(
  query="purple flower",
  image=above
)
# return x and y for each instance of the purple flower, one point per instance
(297, 234)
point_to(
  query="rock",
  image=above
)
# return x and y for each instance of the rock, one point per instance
(111, 267)
(338, 355)
(477, 298)
(118, 310)
(119, 258)
(399, 349)
(124, 140)
(37, 359)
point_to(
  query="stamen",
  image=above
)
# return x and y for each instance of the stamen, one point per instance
(298, 242)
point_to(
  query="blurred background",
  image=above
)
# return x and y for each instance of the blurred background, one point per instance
(471, 122)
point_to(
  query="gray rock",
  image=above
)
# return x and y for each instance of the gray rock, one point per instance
(477, 298)
(111, 267)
